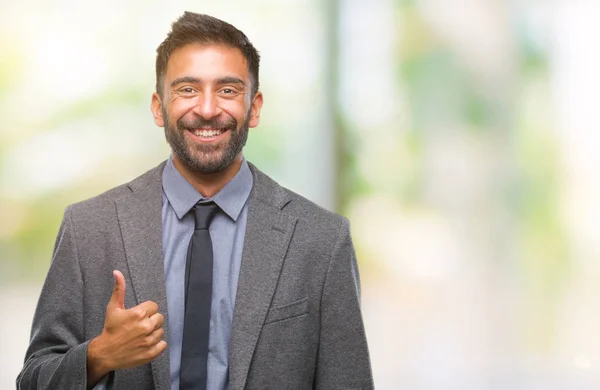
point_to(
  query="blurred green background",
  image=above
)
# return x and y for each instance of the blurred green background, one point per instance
(458, 137)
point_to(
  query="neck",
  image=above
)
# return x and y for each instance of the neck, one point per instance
(208, 184)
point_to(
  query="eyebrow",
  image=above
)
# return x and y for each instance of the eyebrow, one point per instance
(195, 80)
(230, 80)
(185, 79)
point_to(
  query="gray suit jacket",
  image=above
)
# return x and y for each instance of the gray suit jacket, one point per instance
(297, 322)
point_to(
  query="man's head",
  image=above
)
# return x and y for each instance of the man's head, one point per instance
(204, 29)
(206, 92)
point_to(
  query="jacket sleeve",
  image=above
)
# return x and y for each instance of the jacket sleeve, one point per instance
(343, 357)
(57, 353)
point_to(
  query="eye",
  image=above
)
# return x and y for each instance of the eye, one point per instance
(228, 91)
(186, 91)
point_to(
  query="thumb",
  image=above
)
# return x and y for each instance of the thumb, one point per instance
(117, 300)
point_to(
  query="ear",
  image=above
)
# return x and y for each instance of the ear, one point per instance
(156, 108)
(255, 111)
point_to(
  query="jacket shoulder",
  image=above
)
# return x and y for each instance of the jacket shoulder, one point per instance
(306, 209)
(106, 199)
(269, 191)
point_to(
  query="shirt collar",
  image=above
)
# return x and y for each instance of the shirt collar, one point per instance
(183, 196)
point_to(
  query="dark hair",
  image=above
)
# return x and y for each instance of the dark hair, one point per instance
(199, 28)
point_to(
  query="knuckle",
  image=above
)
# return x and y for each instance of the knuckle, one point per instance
(152, 352)
(147, 327)
(158, 321)
(139, 312)
(157, 335)
(148, 341)
(159, 347)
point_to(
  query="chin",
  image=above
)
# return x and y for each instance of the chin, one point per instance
(208, 166)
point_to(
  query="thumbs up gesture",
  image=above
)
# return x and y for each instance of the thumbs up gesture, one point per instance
(130, 338)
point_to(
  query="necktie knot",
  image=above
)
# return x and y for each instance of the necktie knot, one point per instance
(204, 214)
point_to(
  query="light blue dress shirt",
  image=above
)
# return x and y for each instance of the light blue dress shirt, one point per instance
(227, 232)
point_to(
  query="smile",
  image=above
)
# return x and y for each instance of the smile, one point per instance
(207, 134)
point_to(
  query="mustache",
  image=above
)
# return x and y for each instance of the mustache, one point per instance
(199, 123)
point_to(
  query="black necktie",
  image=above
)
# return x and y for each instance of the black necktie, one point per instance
(198, 294)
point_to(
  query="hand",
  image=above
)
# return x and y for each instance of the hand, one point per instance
(130, 338)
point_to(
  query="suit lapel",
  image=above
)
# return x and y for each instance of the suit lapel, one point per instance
(141, 227)
(268, 234)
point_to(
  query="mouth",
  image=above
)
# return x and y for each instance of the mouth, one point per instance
(207, 135)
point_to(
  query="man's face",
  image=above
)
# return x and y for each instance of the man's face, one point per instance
(207, 107)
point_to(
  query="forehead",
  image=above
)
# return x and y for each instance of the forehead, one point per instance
(206, 62)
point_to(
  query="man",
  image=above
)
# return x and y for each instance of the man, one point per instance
(215, 276)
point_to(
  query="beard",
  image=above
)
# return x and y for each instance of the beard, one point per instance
(206, 158)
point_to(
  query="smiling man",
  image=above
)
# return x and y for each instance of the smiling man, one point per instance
(203, 273)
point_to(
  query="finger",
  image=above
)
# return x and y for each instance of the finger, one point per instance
(159, 347)
(158, 320)
(154, 337)
(144, 310)
(155, 350)
(149, 307)
(117, 299)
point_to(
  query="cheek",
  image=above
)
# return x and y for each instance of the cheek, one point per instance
(237, 110)
(178, 110)
(183, 104)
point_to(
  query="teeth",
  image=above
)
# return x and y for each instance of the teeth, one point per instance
(207, 133)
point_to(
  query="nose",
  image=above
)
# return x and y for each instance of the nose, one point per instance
(207, 106)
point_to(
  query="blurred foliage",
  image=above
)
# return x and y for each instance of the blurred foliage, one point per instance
(11, 65)
(443, 95)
